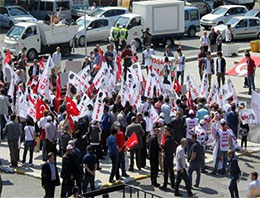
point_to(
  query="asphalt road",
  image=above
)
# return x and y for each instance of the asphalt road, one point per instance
(189, 45)
(211, 186)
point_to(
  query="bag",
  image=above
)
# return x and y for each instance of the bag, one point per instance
(243, 132)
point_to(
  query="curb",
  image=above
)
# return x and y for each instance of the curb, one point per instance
(193, 58)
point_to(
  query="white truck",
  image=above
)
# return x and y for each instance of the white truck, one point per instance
(165, 19)
(40, 38)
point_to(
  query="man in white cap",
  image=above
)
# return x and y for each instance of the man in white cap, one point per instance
(51, 136)
(225, 140)
(190, 124)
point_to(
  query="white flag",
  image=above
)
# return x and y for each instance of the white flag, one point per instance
(83, 105)
(193, 87)
(154, 115)
(204, 87)
(151, 82)
(212, 97)
(99, 107)
(255, 105)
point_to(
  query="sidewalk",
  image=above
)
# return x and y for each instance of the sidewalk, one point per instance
(102, 176)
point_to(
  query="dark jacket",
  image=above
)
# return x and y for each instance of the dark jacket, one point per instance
(234, 168)
(69, 167)
(169, 147)
(222, 65)
(13, 131)
(178, 129)
(94, 135)
(139, 133)
(211, 64)
(153, 147)
(46, 175)
(212, 38)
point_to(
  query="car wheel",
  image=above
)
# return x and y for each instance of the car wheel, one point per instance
(32, 54)
(81, 41)
(258, 36)
(138, 44)
(66, 51)
(169, 42)
(11, 23)
(192, 32)
(220, 23)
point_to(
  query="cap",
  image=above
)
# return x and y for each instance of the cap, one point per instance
(116, 123)
(191, 112)
(206, 117)
(222, 121)
(202, 121)
(49, 118)
(69, 147)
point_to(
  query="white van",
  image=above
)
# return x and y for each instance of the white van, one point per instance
(42, 9)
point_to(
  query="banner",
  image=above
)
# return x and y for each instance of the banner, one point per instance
(255, 106)
(158, 62)
(204, 87)
(247, 116)
(99, 107)
(193, 87)
(154, 115)
(131, 141)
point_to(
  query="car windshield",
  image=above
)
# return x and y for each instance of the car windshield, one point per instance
(64, 5)
(122, 21)
(97, 13)
(81, 22)
(232, 21)
(15, 31)
(17, 11)
(219, 11)
(251, 13)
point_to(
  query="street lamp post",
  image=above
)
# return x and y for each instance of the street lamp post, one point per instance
(85, 28)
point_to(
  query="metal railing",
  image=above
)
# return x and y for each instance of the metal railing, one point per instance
(127, 191)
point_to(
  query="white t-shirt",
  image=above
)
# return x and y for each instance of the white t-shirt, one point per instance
(254, 189)
(147, 57)
(228, 35)
(56, 59)
(180, 154)
(219, 65)
(224, 139)
(181, 63)
(29, 132)
(42, 122)
(208, 67)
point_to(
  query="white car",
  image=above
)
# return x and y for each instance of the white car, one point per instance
(97, 29)
(221, 15)
(10, 15)
(111, 13)
(242, 27)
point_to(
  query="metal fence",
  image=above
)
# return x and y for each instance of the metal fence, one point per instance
(127, 191)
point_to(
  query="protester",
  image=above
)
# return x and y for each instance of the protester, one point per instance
(219, 41)
(229, 34)
(167, 52)
(57, 60)
(29, 131)
(51, 135)
(201, 57)
(13, 131)
(235, 173)
(213, 40)
(50, 176)
(180, 66)
(147, 54)
(250, 72)
(233, 119)
(204, 41)
(127, 57)
(209, 67)
(181, 170)
(254, 187)
(220, 69)
(244, 126)
(4, 109)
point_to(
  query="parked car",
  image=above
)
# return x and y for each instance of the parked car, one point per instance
(10, 15)
(192, 20)
(253, 13)
(203, 6)
(221, 15)
(42, 9)
(111, 13)
(97, 28)
(242, 27)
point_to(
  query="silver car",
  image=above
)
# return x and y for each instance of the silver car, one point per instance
(242, 27)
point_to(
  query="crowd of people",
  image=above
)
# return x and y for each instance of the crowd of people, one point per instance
(170, 130)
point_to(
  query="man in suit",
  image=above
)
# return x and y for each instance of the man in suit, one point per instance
(235, 173)
(154, 150)
(220, 69)
(50, 176)
(136, 149)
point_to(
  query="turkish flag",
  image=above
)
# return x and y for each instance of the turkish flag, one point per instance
(42, 62)
(131, 141)
(190, 102)
(72, 126)
(40, 106)
(57, 99)
(8, 58)
(176, 86)
(71, 107)
(240, 69)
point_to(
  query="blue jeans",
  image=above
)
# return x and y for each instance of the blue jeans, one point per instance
(28, 145)
(219, 154)
(194, 166)
(233, 187)
(251, 82)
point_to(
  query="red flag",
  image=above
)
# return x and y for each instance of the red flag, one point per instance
(176, 86)
(131, 141)
(102, 55)
(72, 126)
(8, 58)
(90, 90)
(41, 62)
(119, 66)
(71, 107)
(190, 102)
(57, 100)
(40, 107)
